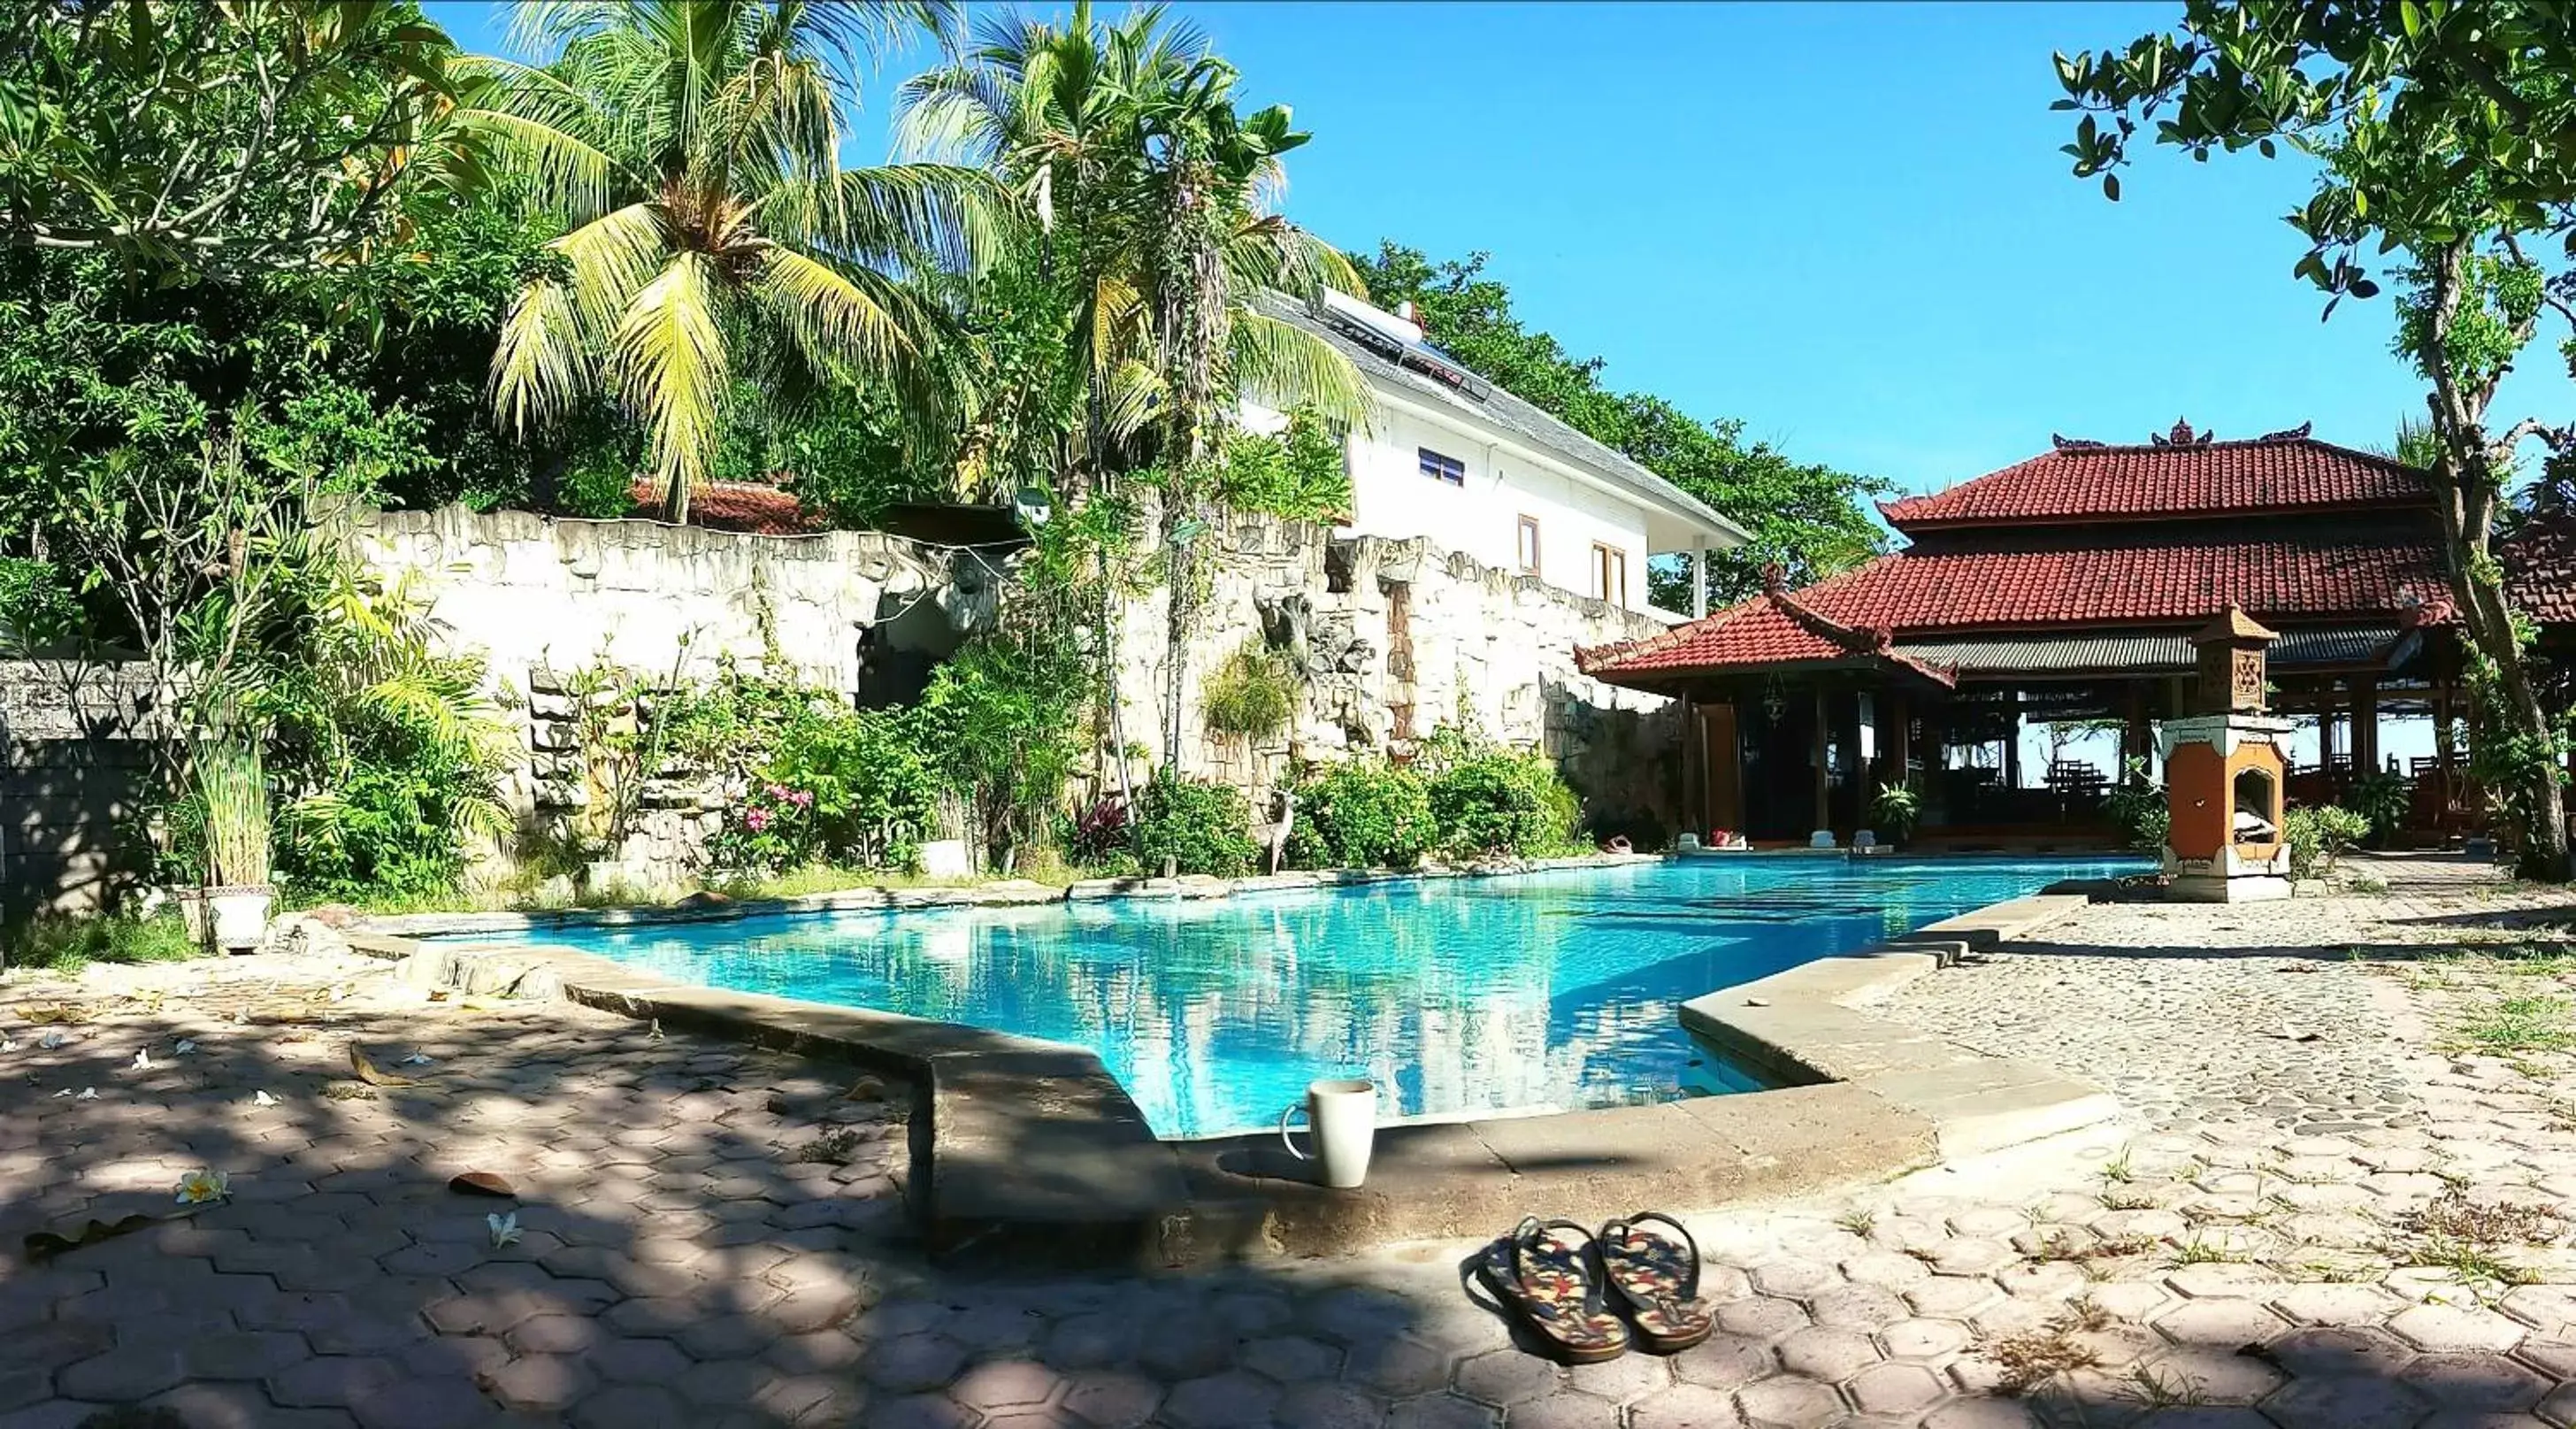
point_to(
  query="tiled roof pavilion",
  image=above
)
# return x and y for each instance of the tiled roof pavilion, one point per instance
(2088, 540)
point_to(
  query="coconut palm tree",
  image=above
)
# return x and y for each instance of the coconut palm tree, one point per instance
(1126, 143)
(693, 146)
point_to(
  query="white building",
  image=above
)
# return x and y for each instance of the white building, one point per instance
(1453, 457)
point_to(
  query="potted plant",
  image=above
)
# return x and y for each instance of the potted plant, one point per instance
(1897, 809)
(234, 791)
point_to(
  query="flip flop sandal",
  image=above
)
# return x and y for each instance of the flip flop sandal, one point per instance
(1542, 1279)
(1657, 1278)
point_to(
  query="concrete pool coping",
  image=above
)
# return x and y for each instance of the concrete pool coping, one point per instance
(1034, 1142)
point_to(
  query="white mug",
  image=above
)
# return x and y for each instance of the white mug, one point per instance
(1342, 1121)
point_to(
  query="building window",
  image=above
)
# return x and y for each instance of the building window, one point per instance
(1443, 468)
(1529, 545)
(1610, 574)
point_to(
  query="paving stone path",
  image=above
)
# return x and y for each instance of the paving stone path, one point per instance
(2321, 1214)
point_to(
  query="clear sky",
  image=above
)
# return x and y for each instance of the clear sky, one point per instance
(1849, 225)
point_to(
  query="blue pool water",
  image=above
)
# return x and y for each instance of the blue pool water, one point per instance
(1557, 989)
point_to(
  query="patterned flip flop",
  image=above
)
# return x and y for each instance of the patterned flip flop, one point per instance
(1657, 1278)
(1543, 1278)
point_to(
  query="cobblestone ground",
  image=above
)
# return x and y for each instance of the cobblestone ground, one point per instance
(2335, 1206)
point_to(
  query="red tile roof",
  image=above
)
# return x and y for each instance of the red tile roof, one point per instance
(2085, 481)
(2540, 569)
(748, 506)
(1771, 629)
(2305, 574)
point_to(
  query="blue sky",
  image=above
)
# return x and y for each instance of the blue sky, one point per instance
(1848, 225)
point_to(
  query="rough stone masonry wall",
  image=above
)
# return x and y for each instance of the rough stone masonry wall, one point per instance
(1402, 637)
(73, 771)
(541, 598)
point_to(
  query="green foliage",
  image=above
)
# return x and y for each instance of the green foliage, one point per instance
(1200, 828)
(2380, 799)
(2138, 805)
(852, 787)
(1364, 813)
(1896, 808)
(1297, 473)
(1809, 519)
(1005, 709)
(176, 133)
(232, 794)
(1253, 695)
(65, 945)
(2319, 835)
(1494, 802)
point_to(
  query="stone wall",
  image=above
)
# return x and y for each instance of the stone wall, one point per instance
(543, 598)
(1397, 638)
(72, 777)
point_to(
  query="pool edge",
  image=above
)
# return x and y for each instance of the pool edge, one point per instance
(1023, 1140)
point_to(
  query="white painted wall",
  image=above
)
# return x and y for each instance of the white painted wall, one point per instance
(1481, 519)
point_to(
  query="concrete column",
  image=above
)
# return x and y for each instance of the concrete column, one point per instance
(2365, 725)
(2138, 740)
(1699, 576)
(2012, 740)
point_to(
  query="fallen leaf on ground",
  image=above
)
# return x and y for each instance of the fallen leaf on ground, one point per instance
(45, 1245)
(505, 1229)
(480, 1183)
(865, 1089)
(262, 1099)
(43, 1013)
(373, 1075)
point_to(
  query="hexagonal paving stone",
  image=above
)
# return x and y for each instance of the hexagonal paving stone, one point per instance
(634, 1406)
(1857, 1307)
(2349, 1351)
(1003, 1384)
(1112, 1399)
(1828, 1355)
(332, 1380)
(2216, 1374)
(2454, 1327)
(1952, 1296)
(1221, 1401)
(1787, 1402)
(1397, 1367)
(1292, 1359)
(2219, 1322)
(1761, 1318)
(1685, 1406)
(2346, 1402)
(2550, 1309)
(1505, 1377)
(1793, 1278)
(1895, 1389)
(2335, 1304)
(124, 1374)
(251, 1354)
(2474, 1381)
(540, 1382)
(437, 1402)
(908, 1363)
(1329, 1406)
(1442, 1411)
(1565, 1409)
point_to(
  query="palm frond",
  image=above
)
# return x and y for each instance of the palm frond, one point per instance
(1285, 366)
(896, 216)
(541, 364)
(670, 369)
(612, 258)
(839, 319)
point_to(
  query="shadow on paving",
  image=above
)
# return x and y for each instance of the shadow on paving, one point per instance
(680, 1264)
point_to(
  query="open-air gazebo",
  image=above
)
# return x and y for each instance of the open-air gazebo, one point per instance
(2064, 588)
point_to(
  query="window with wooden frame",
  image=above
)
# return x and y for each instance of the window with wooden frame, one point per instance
(1443, 468)
(1529, 545)
(1610, 574)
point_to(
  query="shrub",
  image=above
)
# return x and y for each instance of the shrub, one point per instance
(2318, 836)
(845, 786)
(2137, 804)
(1497, 802)
(65, 944)
(1201, 828)
(2380, 799)
(1253, 694)
(1362, 814)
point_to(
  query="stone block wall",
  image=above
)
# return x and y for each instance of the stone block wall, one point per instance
(1397, 638)
(73, 773)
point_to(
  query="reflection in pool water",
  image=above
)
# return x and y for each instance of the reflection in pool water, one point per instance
(1543, 990)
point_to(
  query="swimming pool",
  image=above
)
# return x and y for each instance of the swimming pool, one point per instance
(1535, 991)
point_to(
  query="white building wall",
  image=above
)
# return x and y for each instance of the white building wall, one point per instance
(1391, 497)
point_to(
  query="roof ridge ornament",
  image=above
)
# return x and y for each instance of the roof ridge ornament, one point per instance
(2181, 436)
(2075, 444)
(2289, 434)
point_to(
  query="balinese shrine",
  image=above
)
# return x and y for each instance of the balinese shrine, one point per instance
(2065, 591)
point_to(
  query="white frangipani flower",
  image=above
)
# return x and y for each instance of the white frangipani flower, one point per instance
(143, 1059)
(87, 1094)
(201, 1186)
(262, 1099)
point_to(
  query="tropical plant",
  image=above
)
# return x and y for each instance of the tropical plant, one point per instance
(999, 722)
(2319, 835)
(1498, 802)
(1297, 472)
(268, 134)
(1897, 808)
(2137, 804)
(1125, 141)
(232, 794)
(1253, 695)
(2381, 799)
(1196, 827)
(694, 148)
(2442, 133)
(1362, 813)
